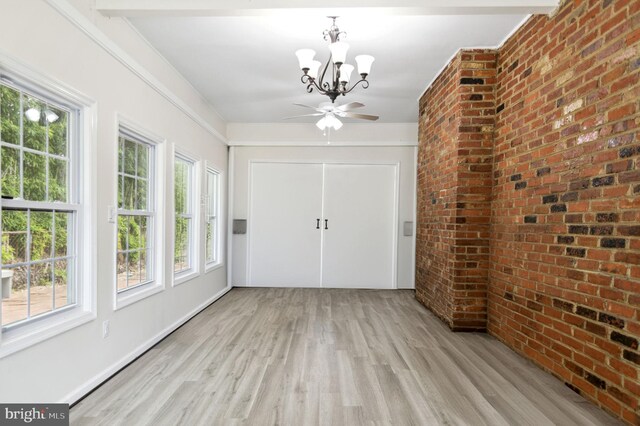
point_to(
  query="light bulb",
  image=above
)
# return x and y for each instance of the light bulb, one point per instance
(322, 123)
(333, 122)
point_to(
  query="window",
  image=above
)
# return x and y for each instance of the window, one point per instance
(185, 195)
(135, 213)
(46, 239)
(38, 208)
(139, 251)
(212, 219)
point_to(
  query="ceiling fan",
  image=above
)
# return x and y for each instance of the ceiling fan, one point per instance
(330, 113)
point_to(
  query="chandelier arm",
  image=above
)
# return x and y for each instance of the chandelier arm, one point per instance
(311, 83)
(320, 89)
(365, 84)
(324, 71)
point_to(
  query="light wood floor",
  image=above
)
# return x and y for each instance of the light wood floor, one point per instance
(342, 357)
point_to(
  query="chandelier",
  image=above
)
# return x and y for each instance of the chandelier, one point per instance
(338, 81)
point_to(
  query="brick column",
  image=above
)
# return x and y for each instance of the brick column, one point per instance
(454, 197)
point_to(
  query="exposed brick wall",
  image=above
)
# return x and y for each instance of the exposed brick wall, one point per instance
(454, 177)
(564, 237)
(565, 275)
(437, 190)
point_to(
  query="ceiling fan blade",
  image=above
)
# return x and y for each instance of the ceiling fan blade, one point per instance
(309, 106)
(350, 106)
(317, 114)
(361, 116)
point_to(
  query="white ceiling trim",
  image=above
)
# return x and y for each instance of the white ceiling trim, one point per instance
(307, 134)
(79, 20)
(139, 8)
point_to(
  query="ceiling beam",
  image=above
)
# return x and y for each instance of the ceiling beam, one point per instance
(142, 8)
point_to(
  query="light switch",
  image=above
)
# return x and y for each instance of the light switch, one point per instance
(111, 214)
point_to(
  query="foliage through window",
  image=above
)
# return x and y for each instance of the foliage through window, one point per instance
(212, 220)
(184, 208)
(135, 212)
(39, 209)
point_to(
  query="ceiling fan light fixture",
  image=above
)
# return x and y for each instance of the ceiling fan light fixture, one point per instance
(331, 114)
(329, 121)
(322, 123)
(334, 122)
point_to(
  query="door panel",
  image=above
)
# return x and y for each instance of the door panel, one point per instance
(359, 207)
(284, 244)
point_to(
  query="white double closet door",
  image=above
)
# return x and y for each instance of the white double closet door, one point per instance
(322, 225)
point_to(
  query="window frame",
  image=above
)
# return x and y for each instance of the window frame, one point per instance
(81, 200)
(193, 271)
(155, 177)
(219, 258)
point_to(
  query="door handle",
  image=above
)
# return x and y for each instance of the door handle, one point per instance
(317, 223)
(326, 224)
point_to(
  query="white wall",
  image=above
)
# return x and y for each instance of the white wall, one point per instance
(404, 155)
(35, 33)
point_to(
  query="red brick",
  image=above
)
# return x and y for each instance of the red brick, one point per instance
(542, 298)
(622, 112)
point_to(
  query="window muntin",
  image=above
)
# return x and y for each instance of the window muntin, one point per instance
(134, 264)
(34, 142)
(39, 216)
(212, 227)
(184, 202)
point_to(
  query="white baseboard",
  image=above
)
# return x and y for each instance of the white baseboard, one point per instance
(81, 391)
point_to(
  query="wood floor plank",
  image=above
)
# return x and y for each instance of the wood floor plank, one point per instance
(330, 357)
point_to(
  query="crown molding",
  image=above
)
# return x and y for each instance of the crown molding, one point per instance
(101, 39)
(306, 134)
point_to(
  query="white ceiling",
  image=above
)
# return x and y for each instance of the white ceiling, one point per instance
(246, 68)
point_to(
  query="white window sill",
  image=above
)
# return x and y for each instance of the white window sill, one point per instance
(15, 340)
(184, 276)
(212, 267)
(134, 295)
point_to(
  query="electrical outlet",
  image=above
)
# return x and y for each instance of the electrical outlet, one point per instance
(105, 329)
